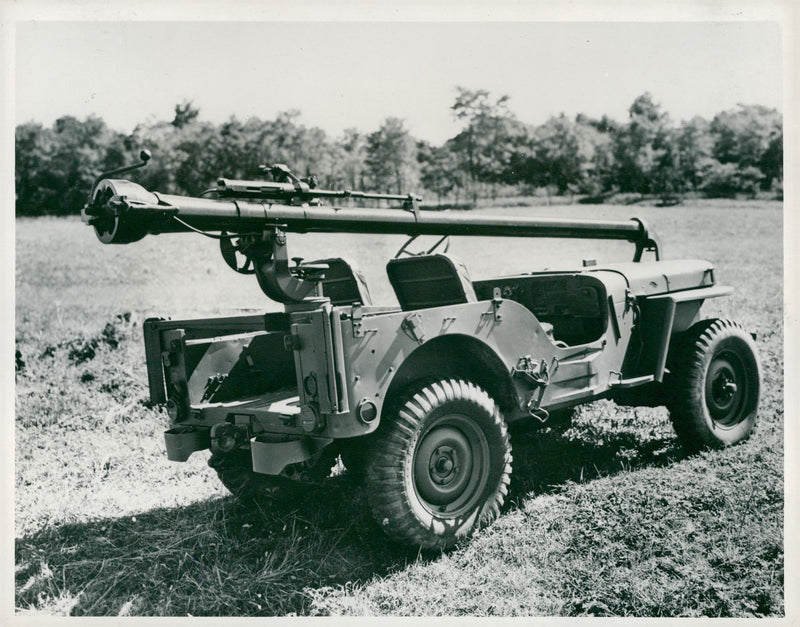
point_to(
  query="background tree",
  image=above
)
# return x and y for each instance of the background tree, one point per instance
(743, 135)
(751, 137)
(597, 171)
(34, 146)
(352, 151)
(771, 163)
(487, 143)
(694, 145)
(161, 139)
(391, 158)
(55, 167)
(563, 151)
(185, 113)
(439, 168)
(738, 152)
(642, 147)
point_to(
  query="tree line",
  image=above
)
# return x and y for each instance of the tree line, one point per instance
(738, 152)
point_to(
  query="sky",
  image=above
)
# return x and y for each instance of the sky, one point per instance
(349, 74)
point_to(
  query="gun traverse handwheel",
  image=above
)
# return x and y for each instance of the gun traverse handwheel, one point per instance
(231, 248)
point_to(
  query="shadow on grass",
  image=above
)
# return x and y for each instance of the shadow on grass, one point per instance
(219, 557)
(216, 557)
(545, 460)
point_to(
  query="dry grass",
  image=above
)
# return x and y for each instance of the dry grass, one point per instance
(607, 516)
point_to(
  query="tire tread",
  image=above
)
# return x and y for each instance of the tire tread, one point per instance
(686, 398)
(397, 434)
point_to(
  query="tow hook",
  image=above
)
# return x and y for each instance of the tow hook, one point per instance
(226, 437)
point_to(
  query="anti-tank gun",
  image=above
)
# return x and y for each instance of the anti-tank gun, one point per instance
(434, 381)
(252, 218)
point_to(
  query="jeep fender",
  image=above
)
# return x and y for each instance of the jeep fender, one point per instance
(461, 357)
(664, 315)
(481, 341)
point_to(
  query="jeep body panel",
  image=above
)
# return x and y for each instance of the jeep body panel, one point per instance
(552, 339)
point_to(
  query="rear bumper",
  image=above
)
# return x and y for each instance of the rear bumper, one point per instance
(267, 457)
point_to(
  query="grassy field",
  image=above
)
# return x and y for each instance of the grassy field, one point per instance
(607, 516)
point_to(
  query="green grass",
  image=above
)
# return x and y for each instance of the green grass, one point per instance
(606, 516)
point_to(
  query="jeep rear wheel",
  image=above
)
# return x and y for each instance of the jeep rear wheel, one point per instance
(439, 465)
(235, 471)
(715, 387)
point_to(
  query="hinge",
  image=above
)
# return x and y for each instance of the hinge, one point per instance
(630, 300)
(631, 304)
(291, 342)
(497, 300)
(356, 316)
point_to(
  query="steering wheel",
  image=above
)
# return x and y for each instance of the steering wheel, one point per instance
(443, 240)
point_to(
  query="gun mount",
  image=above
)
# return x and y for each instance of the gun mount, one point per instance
(435, 379)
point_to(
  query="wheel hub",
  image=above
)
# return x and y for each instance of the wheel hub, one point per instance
(724, 392)
(443, 465)
(449, 464)
(724, 387)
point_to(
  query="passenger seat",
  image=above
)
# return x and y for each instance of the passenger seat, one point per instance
(425, 281)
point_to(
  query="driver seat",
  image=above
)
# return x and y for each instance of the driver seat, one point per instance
(425, 281)
(343, 283)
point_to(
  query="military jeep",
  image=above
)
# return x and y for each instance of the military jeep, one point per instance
(416, 399)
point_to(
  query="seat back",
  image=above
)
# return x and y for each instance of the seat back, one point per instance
(425, 281)
(343, 284)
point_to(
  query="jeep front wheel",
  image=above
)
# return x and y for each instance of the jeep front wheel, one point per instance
(716, 382)
(439, 464)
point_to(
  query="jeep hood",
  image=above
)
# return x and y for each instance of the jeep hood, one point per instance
(646, 278)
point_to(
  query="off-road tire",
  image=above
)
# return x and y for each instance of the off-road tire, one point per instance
(235, 471)
(236, 474)
(714, 386)
(443, 447)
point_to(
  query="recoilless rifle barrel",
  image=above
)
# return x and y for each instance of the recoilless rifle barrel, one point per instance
(122, 212)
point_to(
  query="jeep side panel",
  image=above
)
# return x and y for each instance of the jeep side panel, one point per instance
(544, 371)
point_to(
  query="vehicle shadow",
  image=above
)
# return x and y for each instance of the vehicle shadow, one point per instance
(216, 557)
(582, 449)
(221, 558)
